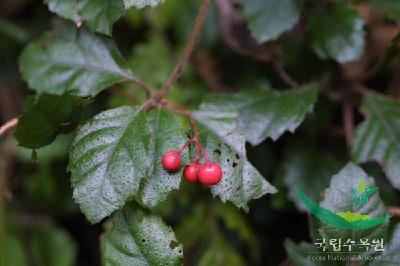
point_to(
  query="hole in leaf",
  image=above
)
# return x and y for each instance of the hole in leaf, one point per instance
(217, 151)
(237, 156)
(173, 244)
(143, 240)
(234, 164)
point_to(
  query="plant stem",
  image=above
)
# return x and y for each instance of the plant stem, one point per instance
(390, 53)
(183, 61)
(11, 124)
(141, 84)
(348, 122)
(179, 109)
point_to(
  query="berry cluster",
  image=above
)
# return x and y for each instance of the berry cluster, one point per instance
(208, 174)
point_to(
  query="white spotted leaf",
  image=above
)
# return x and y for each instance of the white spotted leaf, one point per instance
(142, 3)
(116, 156)
(139, 238)
(241, 182)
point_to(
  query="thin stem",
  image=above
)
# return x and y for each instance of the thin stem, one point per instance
(183, 61)
(348, 122)
(186, 144)
(283, 75)
(179, 109)
(202, 150)
(8, 126)
(142, 84)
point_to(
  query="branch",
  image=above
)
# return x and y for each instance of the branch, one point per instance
(183, 61)
(11, 124)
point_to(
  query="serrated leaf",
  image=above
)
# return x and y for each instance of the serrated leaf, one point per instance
(390, 7)
(268, 19)
(265, 113)
(166, 135)
(116, 155)
(44, 118)
(142, 3)
(241, 182)
(99, 15)
(139, 238)
(336, 32)
(378, 137)
(75, 61)
(338, 198)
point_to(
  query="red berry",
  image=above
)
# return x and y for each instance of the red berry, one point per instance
(191, 171)
(172, 161)
(210, 174)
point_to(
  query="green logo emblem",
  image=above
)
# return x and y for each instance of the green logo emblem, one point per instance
(346, 220)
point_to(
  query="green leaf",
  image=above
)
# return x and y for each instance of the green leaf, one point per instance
(52, 246)
(352, 216)
(297, 253)
(369, 191)
(241, 182)
(390, 7)
(268, 19)
(191, 228)
(222, 124)
(378, 137)
(391, 250)
(361, 186)
(45, 117)
(11, 250)
(309, 168)
(265, 113)
(47, 154)
(142, 3)
(140, 238)
(116, 156)
(236, 221)
(99, 15)
(336, 32)
(75, 61)
(338, 198)
(220, 253)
